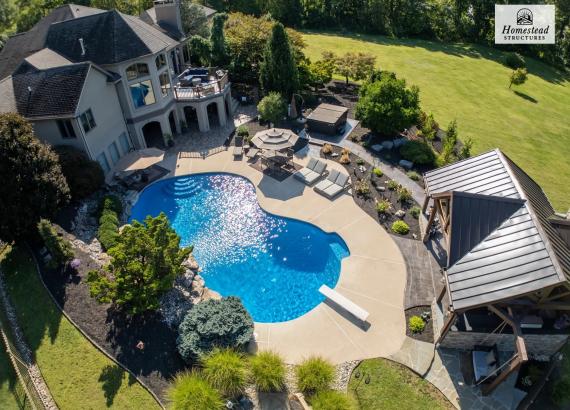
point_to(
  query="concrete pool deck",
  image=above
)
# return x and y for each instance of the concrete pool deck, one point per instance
(373, 276)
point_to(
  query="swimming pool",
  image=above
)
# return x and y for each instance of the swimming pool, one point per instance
(274, 264)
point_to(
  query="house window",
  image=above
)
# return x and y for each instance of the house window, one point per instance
(125, 144)
(142, 93)
(87, 120)
(137, 70)
(66, 129)
(164, 83)
(160, 61)
(102, 160)
(114, 152)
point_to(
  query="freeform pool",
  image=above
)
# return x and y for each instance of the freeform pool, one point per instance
(274, 264)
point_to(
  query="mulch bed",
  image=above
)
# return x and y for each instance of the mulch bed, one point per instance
(427, 334)
(368, 202)
(114, 331)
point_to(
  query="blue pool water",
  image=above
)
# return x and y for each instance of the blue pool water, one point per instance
(274, 264)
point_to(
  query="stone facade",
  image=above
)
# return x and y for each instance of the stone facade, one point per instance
(541, 345)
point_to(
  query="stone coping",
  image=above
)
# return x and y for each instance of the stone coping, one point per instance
(373, 276)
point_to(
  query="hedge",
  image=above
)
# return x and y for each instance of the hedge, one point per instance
(108, 232)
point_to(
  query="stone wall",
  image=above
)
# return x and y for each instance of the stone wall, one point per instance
(535, 344)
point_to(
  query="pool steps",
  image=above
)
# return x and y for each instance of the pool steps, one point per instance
(182, 188)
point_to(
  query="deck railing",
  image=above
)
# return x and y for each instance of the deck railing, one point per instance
(202, 90)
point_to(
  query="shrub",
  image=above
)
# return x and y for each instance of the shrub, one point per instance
(272, 108)
(243, 131)
(268, 371)
(392, 185)
(404, 195)
(314, 375)
(514, 61)
(84, 176)
(378, 172)
(383, 206)
(416, 324)
(191, 392)
(331, 400)
(59, 248)
(327, 149)
(413, 175)
(108, 233)
(415, 212)
(418, 152)
(400, 227)
(561, 391)
(214, 323)
(362, 188)
(360, 161)
(344, 159)
(226, 371)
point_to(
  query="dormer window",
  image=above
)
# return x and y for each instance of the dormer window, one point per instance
(160, 61)
(137, 70)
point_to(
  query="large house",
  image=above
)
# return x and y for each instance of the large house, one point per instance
(107, 82)
(506, 280)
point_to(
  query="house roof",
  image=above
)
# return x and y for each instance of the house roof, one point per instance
(328, 113)
(501, 242)
(53, 92)
(109, 38)
(149, 17)
(22, 45)
(46, 58)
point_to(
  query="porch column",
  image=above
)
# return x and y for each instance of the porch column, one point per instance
(221, 112)
(203, 121)
(165, 127)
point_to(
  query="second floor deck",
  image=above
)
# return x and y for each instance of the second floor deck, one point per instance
(199, 83)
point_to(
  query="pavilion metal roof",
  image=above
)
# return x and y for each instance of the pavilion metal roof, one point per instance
(501, 242)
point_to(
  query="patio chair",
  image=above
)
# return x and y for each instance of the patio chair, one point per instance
(327, 182)
(314, 170)
(340, 184)
(252, 153)
(238, 149)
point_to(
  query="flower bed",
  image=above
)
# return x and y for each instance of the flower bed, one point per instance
(362, 177)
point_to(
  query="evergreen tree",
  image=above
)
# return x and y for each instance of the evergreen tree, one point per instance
(218, 40)
(33, 185)
(278, 69)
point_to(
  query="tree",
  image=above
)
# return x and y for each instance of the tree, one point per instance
(518, 76)
(387, 106)
(214, 323)
(84, 176)
(6, 12)
(428, 127)
(218, 40)
(272, 108)
(194, 19)
(287, 12)
(358, 66)
(200, 51)
(278, 70)
(315, 74)
(60, 250)
(448, 154)
(144, 263)
(33, 185)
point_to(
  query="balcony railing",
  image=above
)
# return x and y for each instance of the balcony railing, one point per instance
(215, 85)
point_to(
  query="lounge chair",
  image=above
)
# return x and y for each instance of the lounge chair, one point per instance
(333, 185)
(238, 149)
(252, 153)
(344, 303)
(312, 172)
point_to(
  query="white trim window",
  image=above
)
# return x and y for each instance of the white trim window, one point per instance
(160, 61)
(164, 80)
(66, 129)
(87, 120)
(137, 70)
(102, 160)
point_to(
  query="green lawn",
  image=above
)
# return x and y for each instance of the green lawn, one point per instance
(78, 375)
(530, 123)
(9, 390)
(393, 386)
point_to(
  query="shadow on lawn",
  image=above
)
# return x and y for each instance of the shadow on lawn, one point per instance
(526, 97)
(111, 378)
(535, 67)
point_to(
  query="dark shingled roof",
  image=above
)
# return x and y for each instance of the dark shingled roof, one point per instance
(110, 37)
(502, 244)
(54, 92)
(328, 113)
(22, 45)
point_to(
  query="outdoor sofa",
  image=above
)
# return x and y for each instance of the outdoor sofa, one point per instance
(314, 170)
(335, 183)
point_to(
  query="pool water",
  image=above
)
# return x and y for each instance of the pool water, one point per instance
(274, 264)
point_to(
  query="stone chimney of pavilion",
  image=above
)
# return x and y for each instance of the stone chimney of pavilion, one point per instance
(168, 14)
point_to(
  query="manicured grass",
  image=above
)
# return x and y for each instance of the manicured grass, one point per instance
(393, 386)
(530, 123)
(8, 382)
(78, 375)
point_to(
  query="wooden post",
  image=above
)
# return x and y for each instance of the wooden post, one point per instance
(513, 366)
(425, 205)
(429, 224)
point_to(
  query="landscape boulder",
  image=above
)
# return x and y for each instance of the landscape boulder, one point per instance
(388, 144)
(404, 163)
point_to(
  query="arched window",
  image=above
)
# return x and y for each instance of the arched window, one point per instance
(160, 61)
(164, 83)
(137, 70)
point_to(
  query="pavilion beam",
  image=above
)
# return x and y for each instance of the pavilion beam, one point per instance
(426, 203)
(513, 366)
(429, 224)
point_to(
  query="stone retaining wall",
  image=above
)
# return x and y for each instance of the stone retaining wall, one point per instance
(535, 344)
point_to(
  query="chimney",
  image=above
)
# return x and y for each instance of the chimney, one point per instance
(562, 224)
(82, 44)
(168, 14)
